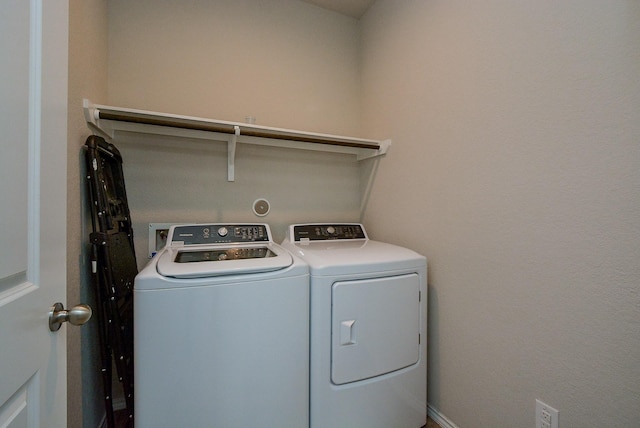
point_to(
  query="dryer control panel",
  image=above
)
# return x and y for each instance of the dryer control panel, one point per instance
(325, 232)
(202, 234)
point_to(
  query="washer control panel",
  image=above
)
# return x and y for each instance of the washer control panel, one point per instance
(326, 232)
(201, 234)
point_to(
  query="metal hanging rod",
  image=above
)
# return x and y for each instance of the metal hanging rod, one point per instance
(230, 129)
(109, 120)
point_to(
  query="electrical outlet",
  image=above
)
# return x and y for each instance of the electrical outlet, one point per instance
(546, 416)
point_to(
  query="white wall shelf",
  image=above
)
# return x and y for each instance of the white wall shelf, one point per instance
(108, 121)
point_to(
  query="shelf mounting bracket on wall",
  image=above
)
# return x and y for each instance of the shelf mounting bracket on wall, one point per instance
(231, 154)
(109, 121)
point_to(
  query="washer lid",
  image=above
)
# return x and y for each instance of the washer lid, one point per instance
(198, 261)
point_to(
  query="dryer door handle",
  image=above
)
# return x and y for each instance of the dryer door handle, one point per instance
(347, 332)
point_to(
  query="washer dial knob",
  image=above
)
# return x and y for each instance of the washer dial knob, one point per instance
(223, 231)
(331, 230)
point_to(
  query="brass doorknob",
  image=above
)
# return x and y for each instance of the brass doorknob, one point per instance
(77, 315)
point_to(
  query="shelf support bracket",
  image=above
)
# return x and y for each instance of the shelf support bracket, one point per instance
(231, 154)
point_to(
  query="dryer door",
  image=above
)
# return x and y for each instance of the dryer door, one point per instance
(375, 327)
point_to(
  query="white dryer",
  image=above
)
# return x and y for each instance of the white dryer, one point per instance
(221, 331)
(368, 328)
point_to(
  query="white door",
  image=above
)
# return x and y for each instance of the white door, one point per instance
(33, 132)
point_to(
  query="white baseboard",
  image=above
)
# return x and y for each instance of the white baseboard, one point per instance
(439, 418)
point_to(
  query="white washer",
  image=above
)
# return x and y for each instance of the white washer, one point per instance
(368, 328)
(221, 331)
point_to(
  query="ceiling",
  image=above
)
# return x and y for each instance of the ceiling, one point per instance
(353, 8)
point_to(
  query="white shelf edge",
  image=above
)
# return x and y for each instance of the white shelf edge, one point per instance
(119, 119)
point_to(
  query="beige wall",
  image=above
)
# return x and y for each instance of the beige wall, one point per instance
(516, 159)
(87, 78)
(285, 62)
